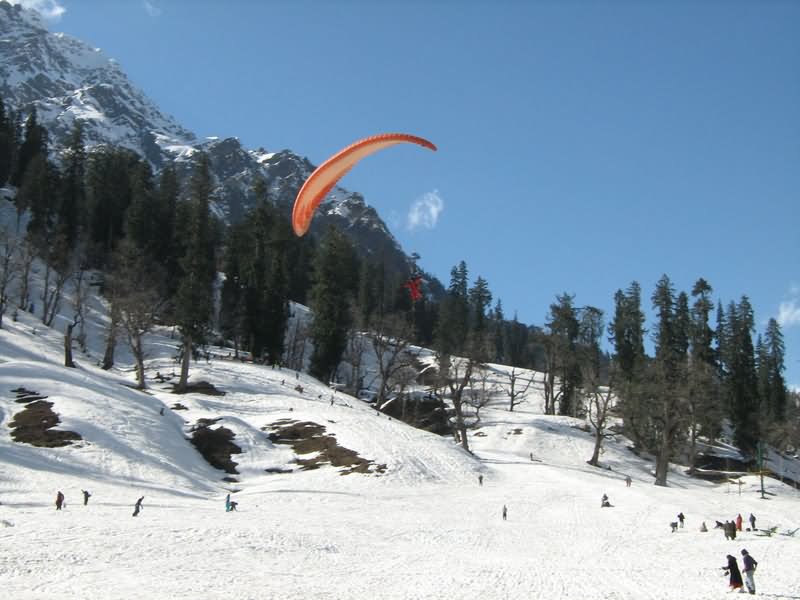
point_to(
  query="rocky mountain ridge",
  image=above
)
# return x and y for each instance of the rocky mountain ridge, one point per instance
(67, 80)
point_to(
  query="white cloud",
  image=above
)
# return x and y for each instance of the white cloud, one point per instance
(424, 212)
(151, 8)
(789, 313)
(49, 9)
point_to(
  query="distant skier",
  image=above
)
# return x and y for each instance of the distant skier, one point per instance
(732, 569)
(480, 479)
(59, 500)
(228, 503)
(628, 481)
(138, 506)
(681, 517)
(86, 496)
(749, 570)
(505, 512)
(739, 522)
(752, 522)
(604, 503)
(703, 528)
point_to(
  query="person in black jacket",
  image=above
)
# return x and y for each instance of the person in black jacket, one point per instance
(138, 506)
(749, 570)
(732, 569)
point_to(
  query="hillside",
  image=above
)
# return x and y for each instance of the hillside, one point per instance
(414, 524)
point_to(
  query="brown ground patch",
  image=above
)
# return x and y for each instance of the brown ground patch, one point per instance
(200, 387)
(215, 445)
(33, 424)
(306, 437)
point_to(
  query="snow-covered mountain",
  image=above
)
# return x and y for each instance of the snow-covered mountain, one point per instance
(67, 80)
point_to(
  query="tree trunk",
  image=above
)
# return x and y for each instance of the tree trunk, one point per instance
(138, 354)
(68, 362)
(187, 355)
(662, 460)
(598, 442)
(111, 342)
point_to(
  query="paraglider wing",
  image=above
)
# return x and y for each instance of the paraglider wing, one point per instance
(322, 180)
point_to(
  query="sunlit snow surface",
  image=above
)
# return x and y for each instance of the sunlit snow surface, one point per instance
(423, 529)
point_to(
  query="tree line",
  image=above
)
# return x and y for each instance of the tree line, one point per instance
(163, 255)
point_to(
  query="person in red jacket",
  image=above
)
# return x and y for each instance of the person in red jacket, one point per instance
(739, 523)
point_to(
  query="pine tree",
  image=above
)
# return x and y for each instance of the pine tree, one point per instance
(627, 374)
(742, 379)
(668, 374)
(453, 322)
(194, 298)
(705, 411)
(335, 273)
(7, 142)
(34, 143)
(39, 194)
(776, 393)
(563, 364)
(73, 186)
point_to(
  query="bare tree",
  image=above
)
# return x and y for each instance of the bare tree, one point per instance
(455, 375)
(357, 343)
(296, 345)
(80, 307)
(113, 330)
(7, 269)
(480, 390)
(24, 265)
(57, 271)
(599, 399)
(392, 351)
(516, 393)
(138, 301)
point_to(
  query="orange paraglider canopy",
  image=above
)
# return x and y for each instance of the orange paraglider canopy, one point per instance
(322, 180)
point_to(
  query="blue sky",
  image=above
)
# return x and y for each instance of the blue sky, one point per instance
(582, 145)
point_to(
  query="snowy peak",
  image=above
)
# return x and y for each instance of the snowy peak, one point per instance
(68, 80)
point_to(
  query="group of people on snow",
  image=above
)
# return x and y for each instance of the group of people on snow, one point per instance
(230, 505)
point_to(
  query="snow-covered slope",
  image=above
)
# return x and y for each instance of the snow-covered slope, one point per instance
(420, 528)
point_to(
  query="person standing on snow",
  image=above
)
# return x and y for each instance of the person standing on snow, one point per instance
(86, 496)
(59, 500)
(749, 570)
(505, 512)
(138, 506)
(732, 569)
(752, 522)
(738, 522)
(681, 517)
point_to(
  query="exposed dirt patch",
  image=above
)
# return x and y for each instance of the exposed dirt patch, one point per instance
(516, 431)
(306, 437)
(200, 387)
(34, 424)
(215, 445)
(178, 406)
(429, 414)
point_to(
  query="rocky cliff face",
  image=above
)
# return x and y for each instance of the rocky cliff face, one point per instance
(67, 80)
